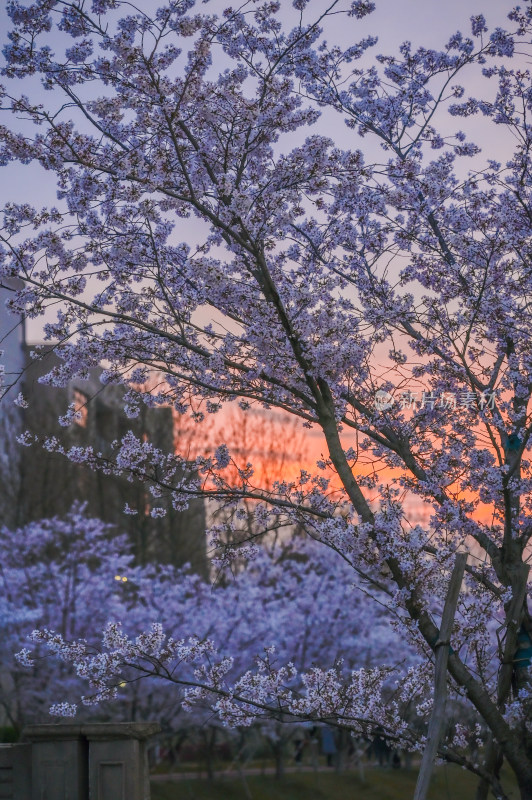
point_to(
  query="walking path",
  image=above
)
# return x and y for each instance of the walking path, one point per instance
(248, 771)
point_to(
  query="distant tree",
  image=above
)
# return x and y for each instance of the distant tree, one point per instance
(275, 446)
(73, 574)
(341, 286)
(56, 573)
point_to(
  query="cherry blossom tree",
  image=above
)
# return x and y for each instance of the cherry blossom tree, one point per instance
(56, 573)
(376, 288)
(73, 574)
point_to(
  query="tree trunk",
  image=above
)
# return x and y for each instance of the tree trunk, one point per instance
(209, 739)
(525, 790)
(441, 647)
(341, 755)
(278, 752)
(492, 764)
(516, 611)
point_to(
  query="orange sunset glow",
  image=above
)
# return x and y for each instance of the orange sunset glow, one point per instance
(279, 447)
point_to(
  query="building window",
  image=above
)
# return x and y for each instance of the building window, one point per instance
(81, 408)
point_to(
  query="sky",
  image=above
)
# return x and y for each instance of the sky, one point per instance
(423, 22)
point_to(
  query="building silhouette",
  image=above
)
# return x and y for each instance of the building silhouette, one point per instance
(40, 484)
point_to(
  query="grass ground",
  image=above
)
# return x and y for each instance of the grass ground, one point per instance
(449, 783)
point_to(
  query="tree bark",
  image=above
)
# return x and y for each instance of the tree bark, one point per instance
(278, 753)
(209, 739)
(440, 678)
(514, 613)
